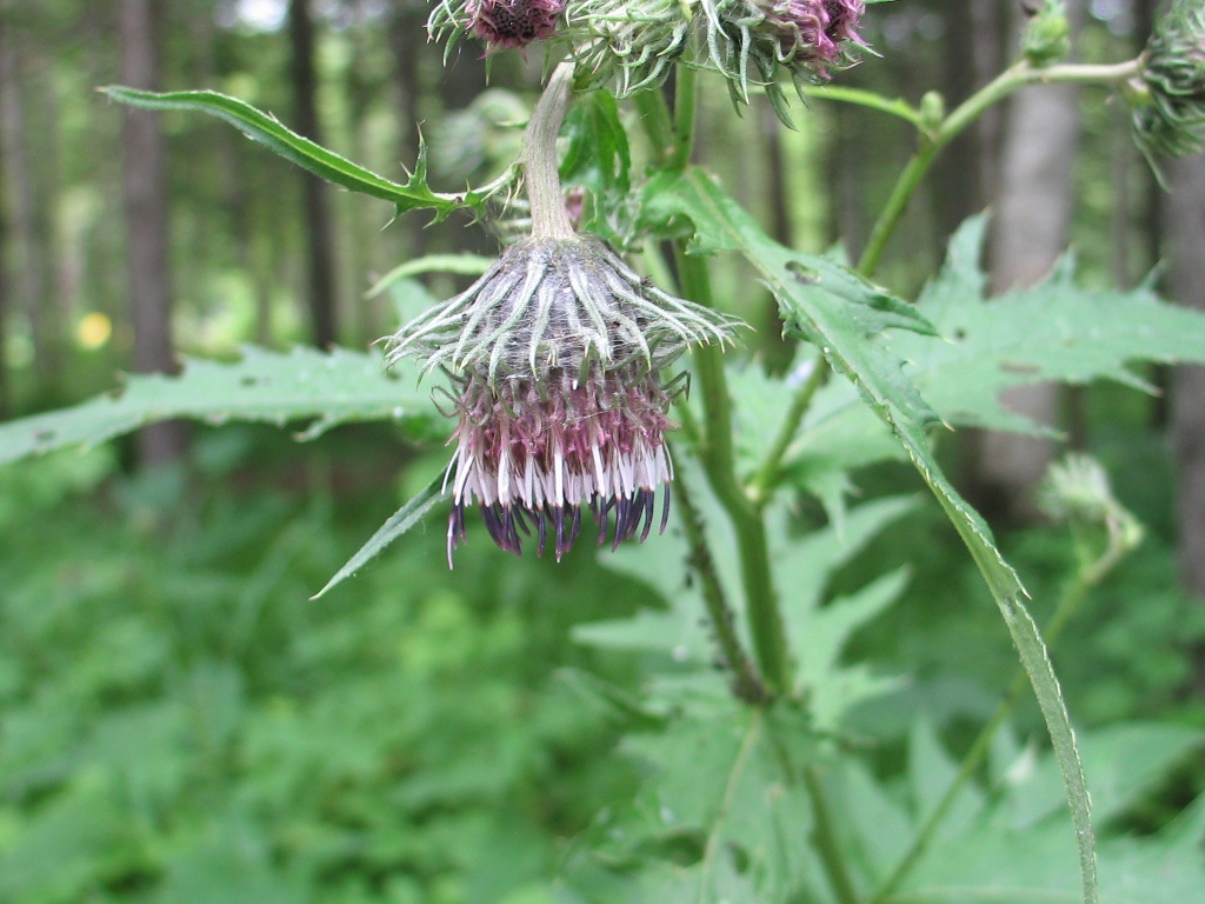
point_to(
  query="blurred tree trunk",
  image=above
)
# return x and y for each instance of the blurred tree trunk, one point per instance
(30, 211)
(1033, 214)
(956, 178)
(320, 276)
(144, 172)
(989, 24)
(407, 38)
(1185, 232)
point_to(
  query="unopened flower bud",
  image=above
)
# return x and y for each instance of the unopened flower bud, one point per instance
(1047, 35)
(631, 45)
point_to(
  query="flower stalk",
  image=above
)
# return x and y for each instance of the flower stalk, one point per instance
(549, 216)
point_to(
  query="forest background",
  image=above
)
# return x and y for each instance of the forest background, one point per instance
(179, 722)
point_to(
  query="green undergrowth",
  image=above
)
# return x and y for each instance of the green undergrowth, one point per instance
(179, 722)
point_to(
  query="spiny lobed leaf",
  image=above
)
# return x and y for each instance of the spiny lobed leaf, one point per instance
(730, 822)
(301, 385)
(414, 194)
(843, 316)
(1053, 331)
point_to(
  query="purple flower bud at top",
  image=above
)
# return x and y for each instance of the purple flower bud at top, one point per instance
(514, 23)
(810, 31)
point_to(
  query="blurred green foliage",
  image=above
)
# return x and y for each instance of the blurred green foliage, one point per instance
(179, 723)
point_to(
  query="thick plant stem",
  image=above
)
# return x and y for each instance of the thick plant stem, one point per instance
(671, 146)
(549, 218)
(719, 461)
(746, 683)
(685, 104)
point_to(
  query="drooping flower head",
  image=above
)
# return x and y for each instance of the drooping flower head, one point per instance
(557, 354)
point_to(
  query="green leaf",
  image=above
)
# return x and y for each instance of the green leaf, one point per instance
(1017, 854)
(1123, 763)
(1053, 331)
(729, 822)
(674, 630)
(300, 385)
(844, 317)
(599, 160)
(804, 564)
(414, 194)
(401, 521)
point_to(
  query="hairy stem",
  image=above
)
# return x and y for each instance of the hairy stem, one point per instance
(671, 146)
(549, 218)
(719, 462)
(746, 683)
(824, 835)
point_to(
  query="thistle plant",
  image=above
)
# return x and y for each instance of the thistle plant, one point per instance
(566, 370)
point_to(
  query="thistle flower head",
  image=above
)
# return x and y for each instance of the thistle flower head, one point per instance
(807, 33)
(556, 353)
(1169, 103)
(499, 23)
(760, 41)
